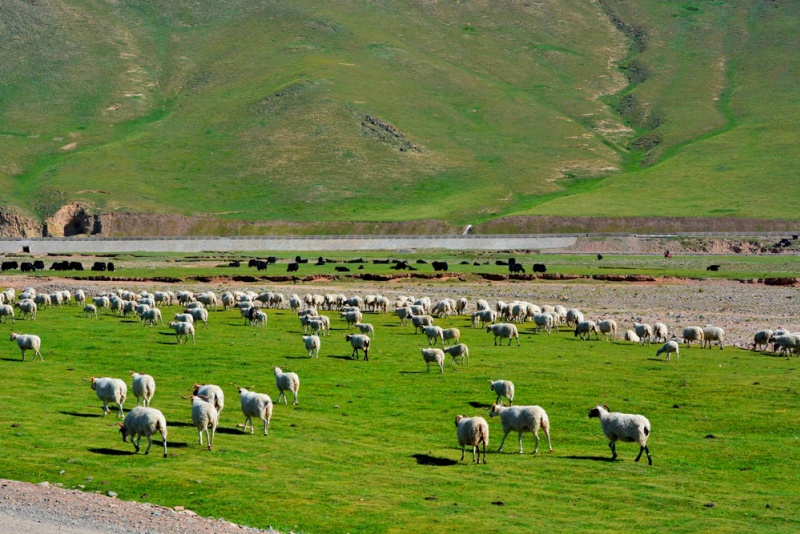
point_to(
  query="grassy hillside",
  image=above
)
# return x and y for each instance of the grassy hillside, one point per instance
(382, 111)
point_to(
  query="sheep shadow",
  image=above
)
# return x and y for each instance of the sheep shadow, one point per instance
(340, 357)
(592, 458)
(76, 414)
(130, 321)
(297, 357)
(413, 372)
(425, 459)
(11, 359)
(111, 452)
(482, 405)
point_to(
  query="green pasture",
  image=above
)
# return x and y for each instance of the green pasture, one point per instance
(372, 445)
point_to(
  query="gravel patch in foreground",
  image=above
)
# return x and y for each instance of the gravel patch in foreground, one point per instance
(46, 509)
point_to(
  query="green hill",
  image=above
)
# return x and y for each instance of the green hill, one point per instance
(400, 111)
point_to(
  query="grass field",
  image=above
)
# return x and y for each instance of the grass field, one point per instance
(372, 447)
(373, 112)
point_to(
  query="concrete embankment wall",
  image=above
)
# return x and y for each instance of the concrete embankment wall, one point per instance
(287, 243)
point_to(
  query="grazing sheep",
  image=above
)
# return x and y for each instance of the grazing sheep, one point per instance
(668, 348)
(761, 338)
(504, 331)
(585, 329)
(623, 427)
(472, 431)
(433, 334)
(461, 306)
(522, 419)
(352, 317)
(503, 388)
(152, 317)
(101, 302)
(145, 422)
(713, 333)
(255, 405)
(214, 394)
(433, 356)
(483, 317)
(200, 315)
(452, 335)
(644, 331)
(42, 300)
(366, 329)
(543, 321)
(27, 308)
(204, 415)
(458, 350)
(630, 335)
(90, 310)
(312, 344)
(608, 328)
(183, 330)
(286, 382)
(660, 332)
(110, 390)
(358, 342)
(481, 304)
(421, 321)
(28, 342)
(6, 311)
(144, 387)
(786, 343)
(692, 333)
(574, 316)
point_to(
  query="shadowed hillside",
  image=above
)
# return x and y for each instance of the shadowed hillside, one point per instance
(328, 113)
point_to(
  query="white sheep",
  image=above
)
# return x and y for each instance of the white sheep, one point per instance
(630, 335)
(713, 333)
(453, 335)
(585, 329)
(623, 427)
(145, 422)
(522, 419)
(761, 338)
(101, 302)
(199, 314)
(786, 343)
(352, 317)
(504, 331)
(27, 308)
(484, 316)
(458, 350)
(28, 342)
(286, 382)
(574, 316)
(503, 388)
(6, 311)
(461, 305)
(367, 329)
(608, 327)
(312, 344)
(644, 331)
(668, 348)
(481, 304)
(472, 431)
(144, 387)
(42, 300)
(110, 390)
(434, 334)
(543, 321)
(421, 321)
(184, 318)
(204, 415)
(79, 297)
(660, 332)
(183, 330)
(259, 319)
(255, 405)
(433, 356)
(214, 394)
(358, 342)
(692, 333)
(152, 317)
(90, 310)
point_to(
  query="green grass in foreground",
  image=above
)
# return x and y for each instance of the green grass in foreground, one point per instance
(345, 460)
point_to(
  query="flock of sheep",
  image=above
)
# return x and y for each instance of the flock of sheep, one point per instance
(208, 399)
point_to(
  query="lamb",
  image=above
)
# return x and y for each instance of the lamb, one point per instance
(6, 311)
(503, 331)
(630, 335)
(644, 331)
(110, 390)
(259, 319)
(199, 314)
(204, 415)
(713, 333)
(183, 330)
(90, 310)
(522, 419)
(623, 427)
(458, 350)
(761, 338)
(434, 333)
(312, 344)
(585, 329)
(451, 334)
(472, 431)
(668, 348)
(692, 333)
(255, 405)
(433, 356)
(145, 422)
(358, 342)
(366, 329)
(214, 394)
(608, 328)
(152, 317)
(286, 382)
(660, 332)
(503, 388)
(144, 387)
(28, 342)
